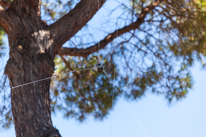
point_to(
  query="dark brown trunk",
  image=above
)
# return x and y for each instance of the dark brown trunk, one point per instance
(32, 48)
(31, 58)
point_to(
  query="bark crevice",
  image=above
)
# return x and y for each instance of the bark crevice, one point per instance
(31, 59)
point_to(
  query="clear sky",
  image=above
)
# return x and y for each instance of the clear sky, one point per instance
(186, 118)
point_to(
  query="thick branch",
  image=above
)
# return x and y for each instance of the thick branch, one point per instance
(5, 3)
(72, 22)
(4, 18)
(109, 38)
(31, 7)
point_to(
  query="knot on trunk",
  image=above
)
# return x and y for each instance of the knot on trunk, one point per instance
(22, 45)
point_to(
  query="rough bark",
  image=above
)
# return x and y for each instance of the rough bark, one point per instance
(31, 58)
(4, 18)
(29, 7)
(30, 61)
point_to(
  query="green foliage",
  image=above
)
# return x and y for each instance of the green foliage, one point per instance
(153, 58)
(80, 93)
(190, 31)
(1, 42)
(54, 9)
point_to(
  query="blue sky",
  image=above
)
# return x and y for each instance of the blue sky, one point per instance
(185, 118)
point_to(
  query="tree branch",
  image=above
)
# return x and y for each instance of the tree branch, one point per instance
(5, 3)
(65, 62)
(72, 22)
(31, 7)
(110, 37)
(4, 19)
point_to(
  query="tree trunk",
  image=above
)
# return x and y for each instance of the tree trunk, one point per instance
(31, 58)
(33, 45)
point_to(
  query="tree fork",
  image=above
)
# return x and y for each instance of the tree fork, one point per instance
(33, 46)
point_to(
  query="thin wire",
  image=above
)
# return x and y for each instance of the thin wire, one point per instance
(98, 31)
(83, 65)
(31, 82)
(77, 69)
(128, 107)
